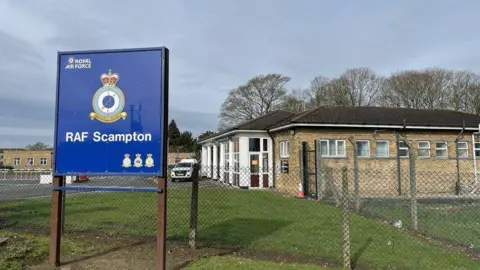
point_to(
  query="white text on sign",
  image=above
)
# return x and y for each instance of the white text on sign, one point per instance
(101, 137)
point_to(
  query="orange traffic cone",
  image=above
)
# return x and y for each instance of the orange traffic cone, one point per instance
(300, 191)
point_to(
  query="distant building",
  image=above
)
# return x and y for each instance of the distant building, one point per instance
(175, 157)
(20, 158)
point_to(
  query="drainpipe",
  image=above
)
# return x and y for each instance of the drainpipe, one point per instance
(475, 162)
(273, 157)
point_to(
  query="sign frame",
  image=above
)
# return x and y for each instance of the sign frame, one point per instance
(164, 91)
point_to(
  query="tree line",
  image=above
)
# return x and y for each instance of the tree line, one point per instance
(431, 88)
(184, 142)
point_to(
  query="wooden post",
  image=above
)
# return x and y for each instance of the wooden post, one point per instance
(162, 223)
(346, 223)
(192, 237)
(56, 217)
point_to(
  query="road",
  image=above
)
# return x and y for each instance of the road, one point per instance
(12, 190)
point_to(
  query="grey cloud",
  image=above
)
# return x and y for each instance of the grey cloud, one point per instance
(217, 45)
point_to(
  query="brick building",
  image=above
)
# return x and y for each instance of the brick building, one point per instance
(20, 158)
(259, 149)
(175, 157)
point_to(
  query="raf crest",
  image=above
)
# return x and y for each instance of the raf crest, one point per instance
(108, 101)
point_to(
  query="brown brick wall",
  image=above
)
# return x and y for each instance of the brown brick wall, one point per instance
(172, 156)
(23, 155)
(378, 176)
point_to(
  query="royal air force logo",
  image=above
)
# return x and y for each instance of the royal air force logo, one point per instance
(109, 100)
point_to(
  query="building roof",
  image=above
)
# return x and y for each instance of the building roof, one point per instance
(383, 116)
(360, 116)
(261, 123)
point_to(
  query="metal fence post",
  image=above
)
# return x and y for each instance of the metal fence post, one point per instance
(413, 187)
(346, 225)
(318, 170)
(399, 174)
(355, 174)
(457, 160)
(301, 168)
(192, 237)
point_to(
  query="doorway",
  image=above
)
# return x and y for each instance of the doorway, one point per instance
(254, 170)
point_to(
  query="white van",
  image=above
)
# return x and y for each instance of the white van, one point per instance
(186, 169)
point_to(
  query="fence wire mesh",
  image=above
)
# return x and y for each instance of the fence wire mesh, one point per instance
(324, 213)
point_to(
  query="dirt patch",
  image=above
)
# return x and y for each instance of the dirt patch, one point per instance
(136, 256)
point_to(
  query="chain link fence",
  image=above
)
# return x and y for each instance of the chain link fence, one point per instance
(322, 213)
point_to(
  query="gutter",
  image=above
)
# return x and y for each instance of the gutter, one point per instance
(371, 126)
(228, 133)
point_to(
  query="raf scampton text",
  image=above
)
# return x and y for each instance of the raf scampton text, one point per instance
(100, 137)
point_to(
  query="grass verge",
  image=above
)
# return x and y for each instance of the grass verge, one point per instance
(231, 262)
(259, 221)
(24, 249)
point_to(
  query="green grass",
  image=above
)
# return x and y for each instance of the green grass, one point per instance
(258, 220)
(230, 262)
(24, 249)
(457, 223)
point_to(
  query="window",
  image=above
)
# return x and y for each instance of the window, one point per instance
(29, 161)
(423, 149)
(236, 156)
(462, 149)
(284, 149)
(43, 161)
(441, 149)
(265, 145)
(254, 145)
(382, 149)
(265, 162)
(226, 156)
(402, 148)
(477, 149)
(332, 148)
(363, 148)
(16, 161)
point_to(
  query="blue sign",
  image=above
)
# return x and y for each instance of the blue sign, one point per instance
(112, 112)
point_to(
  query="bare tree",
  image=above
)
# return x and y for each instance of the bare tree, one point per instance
(419, 89)
(355, 87)
(260, 95)
(296, 101)
(318, 93)
(465, 92)
(360, 87)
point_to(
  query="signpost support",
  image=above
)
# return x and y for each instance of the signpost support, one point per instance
(56, 220)
(111, 119)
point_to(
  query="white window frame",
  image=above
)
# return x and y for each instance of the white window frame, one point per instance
(441, 149)
(226, 157)
(424, 148)
(388, 148)
(476, 147)
(30, 163)
(284, 149)
(16, 161)
(462, 148)
(336, 149)
(399, 147)
(358, 150)
(43, 163)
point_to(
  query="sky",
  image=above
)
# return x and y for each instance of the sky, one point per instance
(216, 45)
